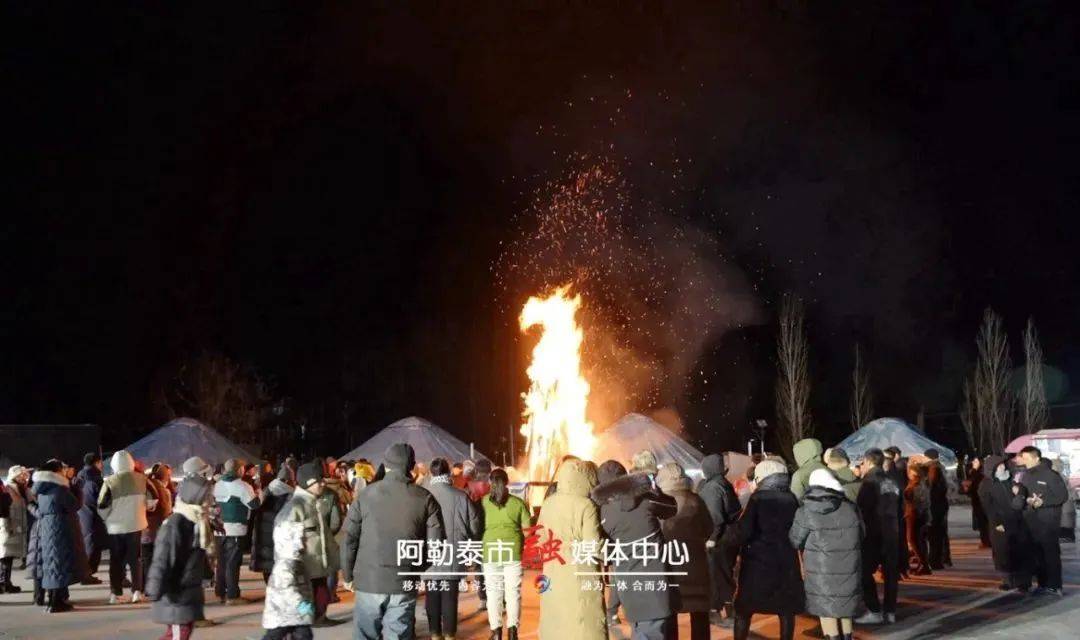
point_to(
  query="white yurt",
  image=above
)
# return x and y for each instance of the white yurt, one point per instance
(635, 432)
(427, 439)
(182, 438)
(893, 432)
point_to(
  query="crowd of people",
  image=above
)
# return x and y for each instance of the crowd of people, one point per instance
(817, 538)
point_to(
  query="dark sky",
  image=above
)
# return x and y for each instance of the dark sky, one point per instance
(320, 192)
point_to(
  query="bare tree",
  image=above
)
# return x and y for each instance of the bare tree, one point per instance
(1036, 414)
(862, 401)
(969, 417)
(793, 375)
(991, 402)
(220, 392)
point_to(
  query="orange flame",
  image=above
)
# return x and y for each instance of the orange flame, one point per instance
(558, 394)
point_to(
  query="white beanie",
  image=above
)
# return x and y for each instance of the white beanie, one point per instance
(766, 468)
(824, 478)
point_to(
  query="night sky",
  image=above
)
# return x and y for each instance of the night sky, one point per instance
(328, 194)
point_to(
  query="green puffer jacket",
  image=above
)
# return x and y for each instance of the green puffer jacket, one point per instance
(808, 456)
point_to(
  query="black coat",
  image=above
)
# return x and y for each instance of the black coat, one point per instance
(769, 577)
(881, 509)
(88, 485)
(1046, 482)
(718, 495)
(828, 528)
(174, 582)
(54, 556)
(1005, 510)
(939, 493)
(460, 518)
(389, 510)
(691, 526)
(631, 509)
(262, 525)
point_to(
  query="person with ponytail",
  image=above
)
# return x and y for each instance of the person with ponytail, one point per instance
(505, 517)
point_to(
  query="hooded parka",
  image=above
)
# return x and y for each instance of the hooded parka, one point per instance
(1009, 545)
(174, 582)
(55, 556)
(567, 608)
(724, 507)
(631, 509)
(262, 526)
(690, 527)
(808, 456)
(828, 529)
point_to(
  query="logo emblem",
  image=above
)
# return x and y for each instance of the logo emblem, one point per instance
(542, 583)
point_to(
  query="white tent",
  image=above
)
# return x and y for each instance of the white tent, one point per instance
(892, 432)
(427, 440)
(635, 432)
(181, 439)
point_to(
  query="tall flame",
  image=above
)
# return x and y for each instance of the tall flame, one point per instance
(558, 394)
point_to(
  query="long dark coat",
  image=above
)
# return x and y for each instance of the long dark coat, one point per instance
(174, 582)
(55, 545)
(88, 484)
(691, 525)
(275, 497)
(631, 509)
(1011, 546)
(769, 577)
(828, 528)
(724, 507)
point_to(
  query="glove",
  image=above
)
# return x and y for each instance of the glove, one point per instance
(306, 608)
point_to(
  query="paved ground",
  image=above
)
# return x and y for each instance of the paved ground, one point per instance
(962, 602)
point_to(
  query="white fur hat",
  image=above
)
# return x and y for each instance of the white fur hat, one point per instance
(824, 478)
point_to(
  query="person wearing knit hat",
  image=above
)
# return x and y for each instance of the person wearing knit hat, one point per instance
(389, 510)
(319, 542)
(770, 580)
(690, 527)
(767, 468)
(196, 466)
(828, 529)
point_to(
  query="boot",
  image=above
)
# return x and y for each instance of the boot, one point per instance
(847, 636)
(511, 633)
(496, 634)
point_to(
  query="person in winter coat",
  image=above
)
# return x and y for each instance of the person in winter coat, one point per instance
(1046, 492)
(55, 553)
(631, 509)
(174, 582)
(724, 507)
(334, 502)
(828, 529)
(122, 503)
(690, 528)
(939, 512)
(836, 459)
(289, 610)
(505, 519)
(477, 486)
(808, 458)
(95, 538)
(236, 499)
(879, 505)
(566, 609)
(973, 478)
(769, 578)
(461, 523)
(1068, 510)
(14, 526)
(387, 511)
(917, 519)
(304, 507)
(277, 493)
(159, 480)
(1009, 541)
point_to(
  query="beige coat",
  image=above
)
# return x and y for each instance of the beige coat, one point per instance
(567, 609)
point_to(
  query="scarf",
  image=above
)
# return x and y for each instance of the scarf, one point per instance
(196, 515)
(443, 479)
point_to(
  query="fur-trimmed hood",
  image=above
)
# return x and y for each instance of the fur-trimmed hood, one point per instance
(50, 476)
(625, 492)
